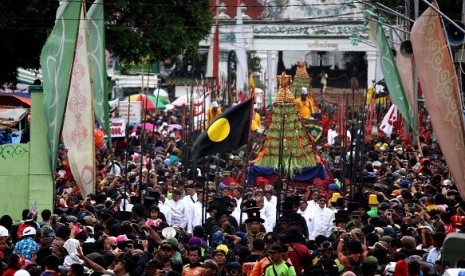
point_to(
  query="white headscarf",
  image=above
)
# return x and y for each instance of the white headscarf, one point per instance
(71, 246)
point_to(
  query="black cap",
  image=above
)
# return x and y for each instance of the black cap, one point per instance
(341, 215)
(270, 237)
(149, 201)
(250, 206)
(278, 248)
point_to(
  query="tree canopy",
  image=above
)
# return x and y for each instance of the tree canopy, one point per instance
(151, 31)
(136, 31)
(24, 27)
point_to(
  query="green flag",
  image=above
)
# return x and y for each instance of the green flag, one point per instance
(98, 63)
(56, 61)
(392, 77)
(315, 131)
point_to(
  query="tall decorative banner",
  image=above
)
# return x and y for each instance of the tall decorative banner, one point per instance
(213, 60)
(387, 125)
(216, 54)
(392, 77)
(200, 105)
(241, 53)
(341, 121)
(270, 73)
(405, 65)
(78, 127)
(56, 61)
(441, 91)
(98, 62)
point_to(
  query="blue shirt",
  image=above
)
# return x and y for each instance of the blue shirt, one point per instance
(25, 246)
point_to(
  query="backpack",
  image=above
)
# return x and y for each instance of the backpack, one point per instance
(356, 267)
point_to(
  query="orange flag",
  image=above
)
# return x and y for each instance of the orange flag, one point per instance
(440, 90)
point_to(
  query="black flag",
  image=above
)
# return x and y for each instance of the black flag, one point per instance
(228, 132)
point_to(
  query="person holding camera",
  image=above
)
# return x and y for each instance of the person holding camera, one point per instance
(164, 254)
(352, 259)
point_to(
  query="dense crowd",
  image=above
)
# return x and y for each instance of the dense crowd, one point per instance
(155, 213)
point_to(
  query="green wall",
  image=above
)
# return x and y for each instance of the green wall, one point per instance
(25, 175)
(14, 179)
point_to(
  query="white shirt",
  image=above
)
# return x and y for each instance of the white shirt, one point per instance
(321, 222)
(311, 205)
(331, 136)
(272, 201)
(307, 214)
(434, 255)
(237, 211)
(268, 213)
(165, 209)
(190, 202)
(179, 213)
(196, 215)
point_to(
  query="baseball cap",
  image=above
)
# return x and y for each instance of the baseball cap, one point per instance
(277, 248)
(29, 231)
(3, 231)
(223, 247)
(270, 237)
(122, 238)
(22, 272)
(172, 241)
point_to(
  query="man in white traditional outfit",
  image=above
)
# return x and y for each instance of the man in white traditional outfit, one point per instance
(236, 213)
(179, 210)
(313, 203)
(190, 200)
(269, 197)
(332, 134)
(306, 212)
(322, 220)
(196, 213)
(267, 211)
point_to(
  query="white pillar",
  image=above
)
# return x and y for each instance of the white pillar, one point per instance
(371, 71)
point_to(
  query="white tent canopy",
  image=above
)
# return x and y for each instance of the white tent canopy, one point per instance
(13, 114)
(161, 93)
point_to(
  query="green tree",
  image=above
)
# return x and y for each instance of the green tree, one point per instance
(24, 27)
(151, 31)
(137, 31)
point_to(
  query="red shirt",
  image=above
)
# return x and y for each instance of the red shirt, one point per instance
(299, 255)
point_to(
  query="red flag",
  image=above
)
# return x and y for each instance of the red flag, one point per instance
(370, 120)
(440, 90)
(341, 123)
(216, 54)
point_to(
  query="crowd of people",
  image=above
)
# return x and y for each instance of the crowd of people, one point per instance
(154, 213)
